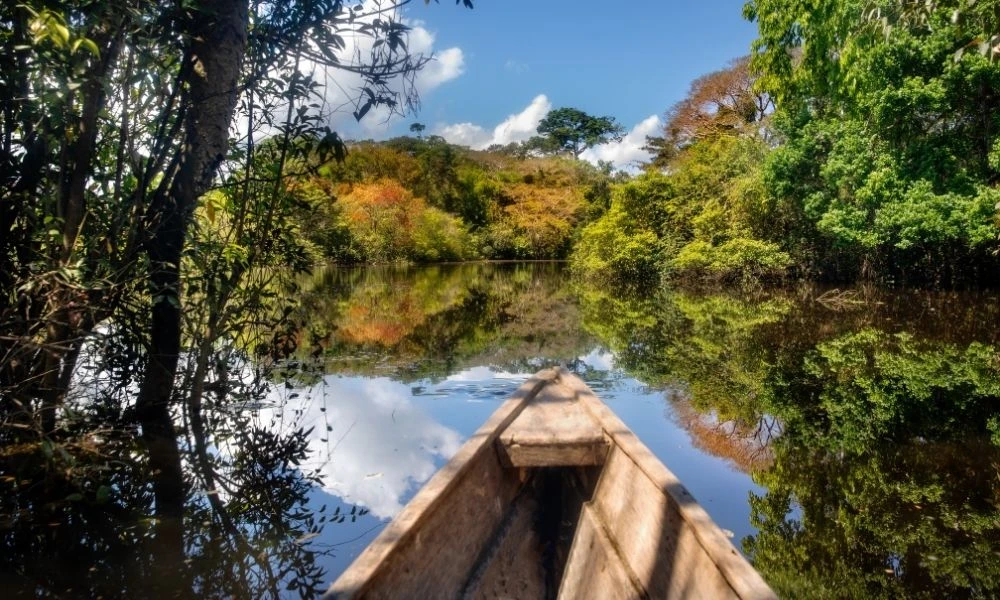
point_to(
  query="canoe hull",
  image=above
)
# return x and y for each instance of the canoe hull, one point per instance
(553, 497)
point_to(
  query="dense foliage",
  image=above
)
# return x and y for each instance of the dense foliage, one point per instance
(889, 149)
(424, 200)
(859, 141)
(168, 179)
(705, 213)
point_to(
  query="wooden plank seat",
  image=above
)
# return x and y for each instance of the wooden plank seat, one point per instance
(554, 430)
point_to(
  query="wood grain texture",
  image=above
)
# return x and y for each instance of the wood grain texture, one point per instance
(744, 580)
(454, 514)
(553, 455)
(436, 561)
(651, 536)
(594, 569)
(554, 430)
(512, 565)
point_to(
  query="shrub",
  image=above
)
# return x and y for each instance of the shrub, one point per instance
(738, 258)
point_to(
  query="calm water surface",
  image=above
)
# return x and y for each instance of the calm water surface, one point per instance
(849, 441)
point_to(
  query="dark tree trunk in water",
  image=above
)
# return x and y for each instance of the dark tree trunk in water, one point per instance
(218, 35)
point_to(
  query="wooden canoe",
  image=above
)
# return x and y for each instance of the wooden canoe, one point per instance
(553, 497)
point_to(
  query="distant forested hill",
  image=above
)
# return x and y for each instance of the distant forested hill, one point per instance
(424, 200)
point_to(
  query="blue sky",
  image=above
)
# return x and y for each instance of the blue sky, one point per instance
(504, 63)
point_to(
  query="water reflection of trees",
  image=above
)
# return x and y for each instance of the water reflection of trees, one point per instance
(433, 321)
(747, 447)
(878, 411)
(80, 508)
(888, 464)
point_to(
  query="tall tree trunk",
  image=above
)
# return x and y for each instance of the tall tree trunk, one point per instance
(218, 34)
(82, 150)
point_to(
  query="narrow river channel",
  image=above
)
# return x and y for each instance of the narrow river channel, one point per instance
(825, 430)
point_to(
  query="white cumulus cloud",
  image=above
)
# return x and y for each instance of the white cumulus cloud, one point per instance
(464, 134)
(522, 125)
(626, 153)
(447, 65)
(515, 128)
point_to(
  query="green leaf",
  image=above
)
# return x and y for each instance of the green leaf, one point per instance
(61, 34)
(86, 44)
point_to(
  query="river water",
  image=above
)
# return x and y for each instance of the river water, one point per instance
(847, 440)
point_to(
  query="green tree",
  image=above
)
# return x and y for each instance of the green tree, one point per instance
(890, 134)
(572, 130)
(707, 218)
(624, 244)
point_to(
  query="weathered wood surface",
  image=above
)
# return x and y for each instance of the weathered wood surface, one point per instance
(528, 552)
(436, 560)
(617, 505)
(511, 566)
(554, 430)
(430, 547)
(594, 569)
(651, 537)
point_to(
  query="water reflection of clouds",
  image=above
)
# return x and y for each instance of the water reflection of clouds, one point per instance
(599, 359)
(370, 444)
(484, 373)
